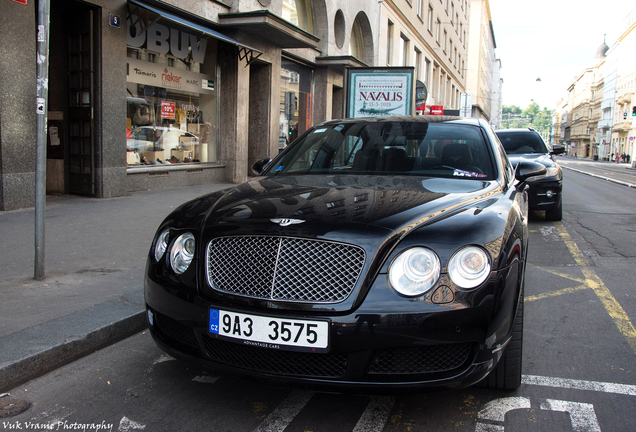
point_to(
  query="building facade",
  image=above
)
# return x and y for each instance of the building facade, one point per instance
(496, 107)
(154, 94)
(431, 36)
(481, 56)
(623, 131)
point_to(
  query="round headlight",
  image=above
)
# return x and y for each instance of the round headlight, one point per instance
(161, 244)
(182, 252)
(414, 271)
(469, 267)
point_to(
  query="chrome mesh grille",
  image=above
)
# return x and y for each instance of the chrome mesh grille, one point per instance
(284, 268)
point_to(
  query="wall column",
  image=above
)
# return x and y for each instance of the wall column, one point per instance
(234, 115)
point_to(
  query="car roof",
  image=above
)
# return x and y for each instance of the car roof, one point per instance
(516, 130)
(412, 119)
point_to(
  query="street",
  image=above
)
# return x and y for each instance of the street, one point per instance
(579, 355)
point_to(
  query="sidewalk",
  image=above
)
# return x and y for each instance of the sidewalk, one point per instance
(92, 295)
(620, 173)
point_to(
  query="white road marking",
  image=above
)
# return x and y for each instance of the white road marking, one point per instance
(483, 427)
(496, 410)
(550, 233)
(162, 358)
(283, 415)
(582, 415)
(375, 415)
(574, 384)
(126, 425)
(209, 379)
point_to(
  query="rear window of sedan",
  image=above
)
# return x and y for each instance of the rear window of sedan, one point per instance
(522, 142)
(405, 148)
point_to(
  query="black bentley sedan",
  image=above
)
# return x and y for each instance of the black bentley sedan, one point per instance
(371, 255)
(545, 192)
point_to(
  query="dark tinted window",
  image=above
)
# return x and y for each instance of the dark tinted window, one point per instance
(406, 148)
(522, 142)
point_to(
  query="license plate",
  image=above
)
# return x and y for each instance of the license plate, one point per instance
(269, 332)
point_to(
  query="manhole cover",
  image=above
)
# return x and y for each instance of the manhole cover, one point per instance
(10, 407)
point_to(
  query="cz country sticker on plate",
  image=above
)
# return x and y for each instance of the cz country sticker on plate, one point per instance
(269, 332)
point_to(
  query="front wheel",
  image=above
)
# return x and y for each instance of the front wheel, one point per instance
(507, 373)
(557, 213)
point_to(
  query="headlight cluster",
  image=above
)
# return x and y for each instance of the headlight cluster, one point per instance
(416, 270)
(550, 171)
(181, 252)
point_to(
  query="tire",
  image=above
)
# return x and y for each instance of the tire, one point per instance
(507, 373)
(557, 213)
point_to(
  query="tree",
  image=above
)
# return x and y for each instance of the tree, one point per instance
(511, 109)
(533, 116)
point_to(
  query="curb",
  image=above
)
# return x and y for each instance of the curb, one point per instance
(36, 351)
(600, 177)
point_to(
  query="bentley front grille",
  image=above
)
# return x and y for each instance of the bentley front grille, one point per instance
(284, 268)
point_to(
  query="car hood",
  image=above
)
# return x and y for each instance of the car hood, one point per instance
(542, 158)
(321, 206)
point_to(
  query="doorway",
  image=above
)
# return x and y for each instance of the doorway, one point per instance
(71, 128)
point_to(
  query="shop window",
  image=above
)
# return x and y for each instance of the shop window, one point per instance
(295, 101)
(171, 99)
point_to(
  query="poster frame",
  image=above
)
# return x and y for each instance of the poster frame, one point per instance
(375, 76)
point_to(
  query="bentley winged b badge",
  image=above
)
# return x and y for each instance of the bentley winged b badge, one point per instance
(287, 222)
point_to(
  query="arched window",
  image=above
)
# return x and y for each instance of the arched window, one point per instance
(355, 41)
(299, 13)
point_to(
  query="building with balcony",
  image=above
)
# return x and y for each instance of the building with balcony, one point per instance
(585, 96)
(623, 130)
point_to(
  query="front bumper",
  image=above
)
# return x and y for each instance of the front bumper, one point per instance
(539, 191)
(370, 351)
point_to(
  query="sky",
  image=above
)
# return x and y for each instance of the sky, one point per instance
(554, 40)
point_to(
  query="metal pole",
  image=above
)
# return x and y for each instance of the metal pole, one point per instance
(40, 134)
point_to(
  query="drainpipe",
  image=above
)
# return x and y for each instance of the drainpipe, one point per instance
(377, 62)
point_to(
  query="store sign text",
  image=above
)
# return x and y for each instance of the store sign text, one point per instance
(381, 96)
(153, 74)
(164, 40)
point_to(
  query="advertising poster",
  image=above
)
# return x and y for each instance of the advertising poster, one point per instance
(168, 110)
(380, 92)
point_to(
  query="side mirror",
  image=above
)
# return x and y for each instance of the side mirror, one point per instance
(557, 149)
(527, 169)
(260, 165)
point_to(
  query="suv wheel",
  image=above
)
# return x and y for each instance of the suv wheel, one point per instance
(557, 213)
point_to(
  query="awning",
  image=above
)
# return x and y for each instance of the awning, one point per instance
(244, 51)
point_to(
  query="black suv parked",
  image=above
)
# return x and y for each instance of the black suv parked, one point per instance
(546, 190)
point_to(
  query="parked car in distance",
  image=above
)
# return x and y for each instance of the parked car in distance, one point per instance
(159, 137)
(545, 191)
(371, 255)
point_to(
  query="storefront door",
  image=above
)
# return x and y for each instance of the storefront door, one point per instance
(80, 109)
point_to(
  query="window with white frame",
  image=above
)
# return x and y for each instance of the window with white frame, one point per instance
(418, 64)
(404, 51)
(438, 31)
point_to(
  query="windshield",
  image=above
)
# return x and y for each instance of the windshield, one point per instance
(522, 142)
(405, 148)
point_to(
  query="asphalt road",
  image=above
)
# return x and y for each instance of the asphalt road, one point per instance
(579, 357)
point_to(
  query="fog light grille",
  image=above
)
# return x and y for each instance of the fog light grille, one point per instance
(418, 360)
